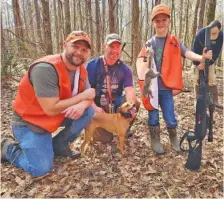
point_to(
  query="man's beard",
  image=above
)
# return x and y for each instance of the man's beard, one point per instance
(70, 60)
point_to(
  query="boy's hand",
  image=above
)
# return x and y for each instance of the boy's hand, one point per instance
(207, 54)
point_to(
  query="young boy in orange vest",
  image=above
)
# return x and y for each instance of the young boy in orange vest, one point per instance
(167, 60)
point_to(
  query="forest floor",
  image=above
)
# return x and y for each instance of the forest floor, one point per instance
(139, 173)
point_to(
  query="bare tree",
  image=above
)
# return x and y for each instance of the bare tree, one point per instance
(67, 17)
(74, 15)
(111, 16)
(135, 32)
(210, 8)
(103, 24)
(47, 27)
(80, 18)
(181, 21)
(89, 10)
(98, 29)
(56, 30)
(17, 19)
(195, 19)
(201, 14)
(38, 23)
(60, 25)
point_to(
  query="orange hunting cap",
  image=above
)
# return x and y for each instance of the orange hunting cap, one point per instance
(77, 36)
(160, 9)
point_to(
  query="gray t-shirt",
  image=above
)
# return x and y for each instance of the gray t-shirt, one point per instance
(158, 44)
(44, 79)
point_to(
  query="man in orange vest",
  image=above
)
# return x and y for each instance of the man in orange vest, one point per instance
(54, 92)
(167, 58)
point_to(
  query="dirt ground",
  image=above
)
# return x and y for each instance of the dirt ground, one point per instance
(139, 173)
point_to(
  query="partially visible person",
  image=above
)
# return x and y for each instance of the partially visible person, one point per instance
(216, 47)
(54, 92)
(117, 86)
(168, 51)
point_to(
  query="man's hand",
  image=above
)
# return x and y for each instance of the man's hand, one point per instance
(201, 66)
(88, 94)
(99, 109)
(207, 54)
(74, 112)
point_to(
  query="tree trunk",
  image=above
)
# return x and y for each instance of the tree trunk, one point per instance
(211, 5)
(103, 25)
(19, 33)
(173, 21)
(98, 30)
(31, 28)
(60, 25)
(135, 33)
(201, 14)
(186, 29)
(67, 18)
(157, 2)
(38, 22)
(56, 28)
(89, 8)
(181, 14)
(47, 27)
(17, 19)
(194, 29)
(111, 16)
(80, 18)
(147, 20)
(74, 16)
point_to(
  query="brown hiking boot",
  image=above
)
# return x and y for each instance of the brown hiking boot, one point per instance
(155, 140)
(174, 139)
(5, 142)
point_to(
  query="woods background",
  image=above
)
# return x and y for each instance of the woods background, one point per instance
(31, 29)
(34, 28)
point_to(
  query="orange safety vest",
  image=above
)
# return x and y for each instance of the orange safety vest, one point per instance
(171, 69)
(26, 104)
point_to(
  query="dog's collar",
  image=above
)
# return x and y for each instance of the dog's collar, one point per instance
(126, 115)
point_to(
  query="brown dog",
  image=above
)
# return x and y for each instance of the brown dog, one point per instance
(117, 123)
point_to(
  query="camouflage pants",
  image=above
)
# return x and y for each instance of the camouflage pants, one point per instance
(211, 75)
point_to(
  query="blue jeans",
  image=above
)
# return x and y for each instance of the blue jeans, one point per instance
(167, 106)
(34, 151)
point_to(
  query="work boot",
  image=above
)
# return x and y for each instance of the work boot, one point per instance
(5, 142)
(214, 96)
(174, 139)
(63, 150)
(155, 140)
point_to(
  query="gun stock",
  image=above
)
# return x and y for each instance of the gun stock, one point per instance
(194, 158)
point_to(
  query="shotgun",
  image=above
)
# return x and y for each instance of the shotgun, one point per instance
(203, 121)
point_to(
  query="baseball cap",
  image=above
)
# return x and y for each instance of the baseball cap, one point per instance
(160, 9)
(77, 36)
(112, 38)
